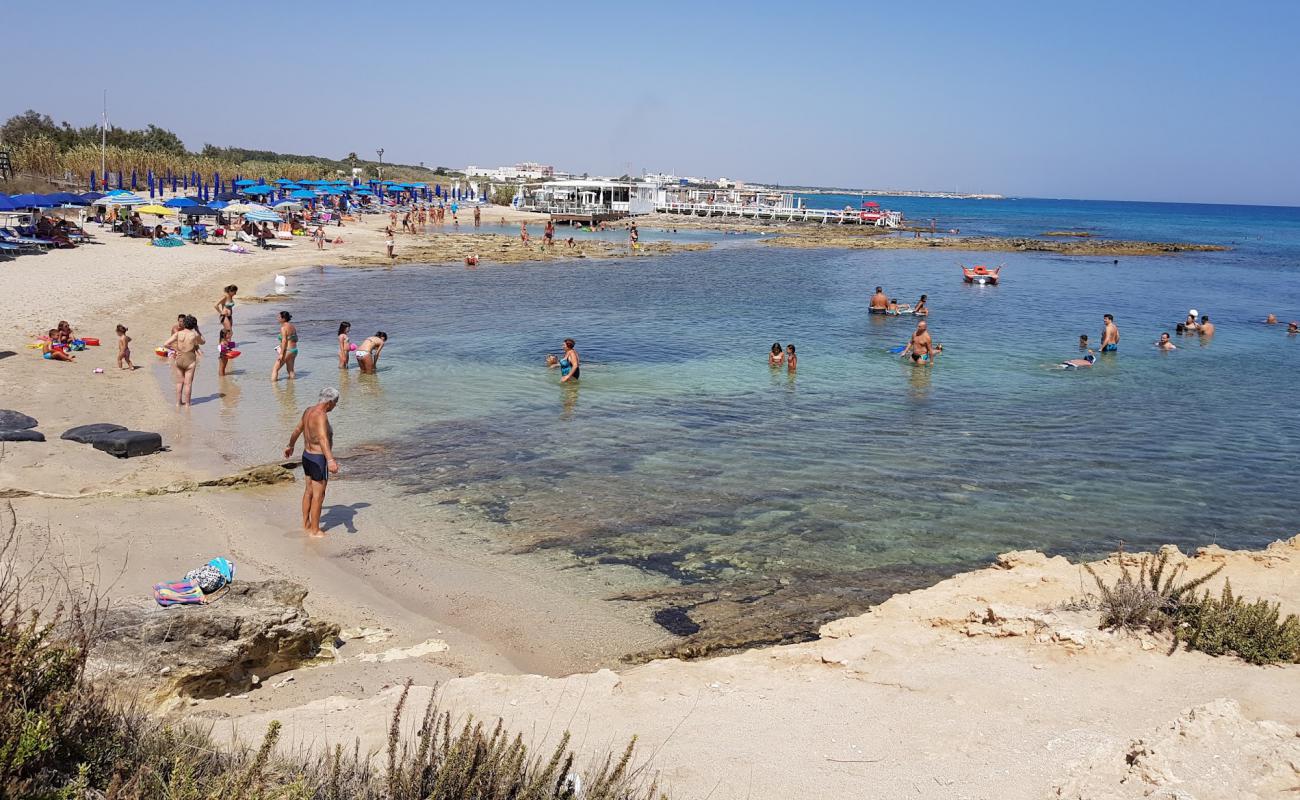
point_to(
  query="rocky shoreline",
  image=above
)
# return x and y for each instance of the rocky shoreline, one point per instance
(853, 237)
(496, 248)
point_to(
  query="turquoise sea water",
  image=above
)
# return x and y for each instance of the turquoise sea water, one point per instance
(681, 452)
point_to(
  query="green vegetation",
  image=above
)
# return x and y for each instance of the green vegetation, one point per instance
(1253, 632)
(1155, 598)
(63, 737)
(42, 147)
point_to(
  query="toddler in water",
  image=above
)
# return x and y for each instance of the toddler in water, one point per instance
(224, 346)
(123, 349)
(1083, 341)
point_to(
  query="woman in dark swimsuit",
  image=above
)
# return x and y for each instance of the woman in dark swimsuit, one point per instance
(226, 308)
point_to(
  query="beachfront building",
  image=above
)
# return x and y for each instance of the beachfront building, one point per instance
(762, 203)
(524, 171)
(589, 201)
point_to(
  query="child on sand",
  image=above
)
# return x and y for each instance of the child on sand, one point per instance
(52, 353)
(123, 349)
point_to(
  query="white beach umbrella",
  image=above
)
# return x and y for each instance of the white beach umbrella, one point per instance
(244, 208)
(122, 200)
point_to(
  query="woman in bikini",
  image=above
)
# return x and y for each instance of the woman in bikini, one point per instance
(287, 352)
(344, 327)
(368, 352)
(185, 344)
(226, 308)
(777, 357)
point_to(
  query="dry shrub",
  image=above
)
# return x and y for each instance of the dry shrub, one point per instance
(62, 737)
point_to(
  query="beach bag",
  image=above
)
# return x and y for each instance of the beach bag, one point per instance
(200, 585)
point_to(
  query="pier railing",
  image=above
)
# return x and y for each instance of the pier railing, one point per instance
(884, 219)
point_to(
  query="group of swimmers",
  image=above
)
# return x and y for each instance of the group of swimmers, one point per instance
(779, 357)
(1292, 327)
(881, 303)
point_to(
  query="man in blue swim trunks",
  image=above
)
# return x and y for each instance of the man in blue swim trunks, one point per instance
(317, 457)
(1109, 334)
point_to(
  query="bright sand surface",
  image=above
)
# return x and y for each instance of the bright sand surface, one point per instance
(972, 688)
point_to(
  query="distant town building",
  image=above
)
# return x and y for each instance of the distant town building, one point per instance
(525, 171)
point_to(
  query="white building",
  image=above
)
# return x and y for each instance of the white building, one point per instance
(525, 171)
(592, 199)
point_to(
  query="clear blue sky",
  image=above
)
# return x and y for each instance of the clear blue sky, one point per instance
(1184, 101)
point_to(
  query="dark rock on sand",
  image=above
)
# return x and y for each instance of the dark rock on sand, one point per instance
(15, 420)
(21, 436)
(87, 434)
(255, 630)
(128, 444)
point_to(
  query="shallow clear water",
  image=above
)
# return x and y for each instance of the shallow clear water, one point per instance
(683, 453)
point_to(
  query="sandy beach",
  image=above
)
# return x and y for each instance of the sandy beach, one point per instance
(990, 684)
(122, 525)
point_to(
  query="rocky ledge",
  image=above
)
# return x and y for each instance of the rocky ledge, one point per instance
(255, 630)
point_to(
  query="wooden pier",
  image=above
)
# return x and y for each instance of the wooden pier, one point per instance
(593, 217)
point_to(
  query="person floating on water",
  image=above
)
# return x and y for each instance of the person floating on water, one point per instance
(317, 457)
(921, 347)
(1109, 334)
(879, 302)
(569, 364)
(1080, 363)
(777, 357)
(1164, 343)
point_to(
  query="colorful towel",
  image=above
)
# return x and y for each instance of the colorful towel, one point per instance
(177, 593)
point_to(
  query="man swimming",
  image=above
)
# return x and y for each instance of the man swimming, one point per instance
(921, 347)
(1109, 334)
(1207, 327)
(1165, 343)
(1080, 363)
(317, 457)
(879, 302)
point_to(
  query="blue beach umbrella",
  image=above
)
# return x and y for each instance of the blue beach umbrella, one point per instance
(218, 204)
(91, 197)
(119, 179)
(303, 194)
(257, 190)
(67, 198)
(92, 180)
(6, 204)
(31, 201)
(245, 182)
(181, 202)
(263, 216)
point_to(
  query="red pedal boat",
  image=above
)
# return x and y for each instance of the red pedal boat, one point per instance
(981, 274)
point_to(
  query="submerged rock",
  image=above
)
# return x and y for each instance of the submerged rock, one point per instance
(255, 630)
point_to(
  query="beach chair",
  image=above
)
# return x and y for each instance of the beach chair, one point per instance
(8, 252)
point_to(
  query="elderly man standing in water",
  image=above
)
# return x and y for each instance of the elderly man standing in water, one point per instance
(317, 457)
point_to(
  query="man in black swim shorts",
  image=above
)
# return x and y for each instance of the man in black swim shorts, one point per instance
(317, 457)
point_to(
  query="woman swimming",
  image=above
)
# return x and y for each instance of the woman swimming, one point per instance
(344, 327)
(777, 357)
(226, 308)
(1080, 363)
(921, 309)
(368, 352)
(185, 343)
(286, 353)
